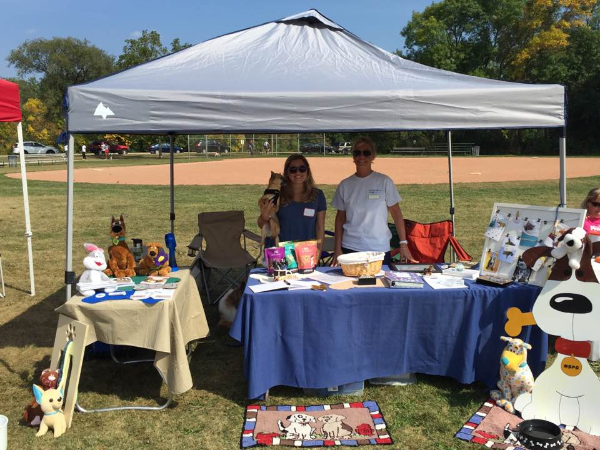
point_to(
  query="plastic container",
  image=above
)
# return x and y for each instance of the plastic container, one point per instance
(361, 263)
(402, 379)
(355, 388)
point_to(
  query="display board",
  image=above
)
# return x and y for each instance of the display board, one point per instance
(515, 228)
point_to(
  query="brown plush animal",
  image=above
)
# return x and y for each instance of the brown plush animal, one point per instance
(33, 412)
(156, 261)
(121, 262)
(271, 195)
(228, 305)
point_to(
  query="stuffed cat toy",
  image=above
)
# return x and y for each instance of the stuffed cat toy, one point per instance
(121, 262)
(51, 402)
(93, 277)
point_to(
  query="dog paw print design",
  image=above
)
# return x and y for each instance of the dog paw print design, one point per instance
(568, 392)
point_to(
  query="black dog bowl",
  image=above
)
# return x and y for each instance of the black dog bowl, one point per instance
(539, 434)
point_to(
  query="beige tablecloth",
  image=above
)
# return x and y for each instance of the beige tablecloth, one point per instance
(165, 327)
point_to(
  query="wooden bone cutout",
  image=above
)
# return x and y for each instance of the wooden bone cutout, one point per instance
(517, 320)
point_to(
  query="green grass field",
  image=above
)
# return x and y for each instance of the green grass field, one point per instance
(210, 416)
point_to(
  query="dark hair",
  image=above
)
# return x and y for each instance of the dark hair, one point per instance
(310, 191)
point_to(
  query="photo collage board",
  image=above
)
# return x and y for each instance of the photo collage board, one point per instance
(515, 228)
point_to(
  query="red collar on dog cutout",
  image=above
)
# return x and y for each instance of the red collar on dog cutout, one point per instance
(581, 349)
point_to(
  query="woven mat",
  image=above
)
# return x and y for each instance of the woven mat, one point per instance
(359, 423)
(486, 427)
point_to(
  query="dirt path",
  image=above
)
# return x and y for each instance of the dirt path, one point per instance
(332, 171)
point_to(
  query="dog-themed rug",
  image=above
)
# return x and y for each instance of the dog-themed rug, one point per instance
(489, 427)
(358, 423)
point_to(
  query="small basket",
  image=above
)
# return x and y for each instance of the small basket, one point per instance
(361, 263)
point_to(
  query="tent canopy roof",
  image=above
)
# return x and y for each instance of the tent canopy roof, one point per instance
(10, 102)
(298, 74)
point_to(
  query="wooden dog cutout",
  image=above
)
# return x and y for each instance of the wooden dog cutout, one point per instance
(121, 262)
(271, 195)
(568, 392)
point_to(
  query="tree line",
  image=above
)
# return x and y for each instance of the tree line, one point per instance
(531, 41)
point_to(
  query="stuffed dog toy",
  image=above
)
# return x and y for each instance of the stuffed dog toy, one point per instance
(121, 262)
(228, 305)
(271, 195)
(51, 402)
(568, 392)
(515, 375)
(334, 426)
(33, 412)
(156, 261)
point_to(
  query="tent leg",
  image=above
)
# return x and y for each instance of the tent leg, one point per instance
(562, 146)
(26, 206)
(172, 186)
(451, 182)
(69, 274)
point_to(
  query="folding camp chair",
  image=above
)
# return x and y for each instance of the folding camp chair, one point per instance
(428, 242)
(223, 251)
(327, 249)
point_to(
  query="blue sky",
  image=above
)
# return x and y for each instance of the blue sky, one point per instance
(108, 23)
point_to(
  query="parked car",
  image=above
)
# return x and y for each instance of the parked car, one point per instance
(213, 146)
(30, 147)
(165, 147)
(313, 147)
(95, 147)
(344, 147)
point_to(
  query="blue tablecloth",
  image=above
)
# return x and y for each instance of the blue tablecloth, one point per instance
(315, 339)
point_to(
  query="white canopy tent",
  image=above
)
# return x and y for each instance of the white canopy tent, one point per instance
(303, 73)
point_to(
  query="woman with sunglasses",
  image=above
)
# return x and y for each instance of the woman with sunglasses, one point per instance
(592, 219)
(302, 206)
(363, 201)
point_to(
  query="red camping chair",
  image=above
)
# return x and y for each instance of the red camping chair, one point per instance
(428, 242)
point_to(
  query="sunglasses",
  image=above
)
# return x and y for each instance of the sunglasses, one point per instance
(300, 169)
(366, 153)
(596, 204)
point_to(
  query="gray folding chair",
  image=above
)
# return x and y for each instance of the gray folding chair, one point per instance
(221, 234)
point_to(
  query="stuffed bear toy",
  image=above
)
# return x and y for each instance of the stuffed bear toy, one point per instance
(156, 261)
(121, 262)
(33, 412)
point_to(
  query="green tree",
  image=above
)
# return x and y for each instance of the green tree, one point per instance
(59, 63)
(146, 48)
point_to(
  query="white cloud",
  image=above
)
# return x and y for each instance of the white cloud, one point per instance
(136, 34)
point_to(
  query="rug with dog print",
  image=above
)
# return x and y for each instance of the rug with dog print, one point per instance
(491, 425)
(358, 423)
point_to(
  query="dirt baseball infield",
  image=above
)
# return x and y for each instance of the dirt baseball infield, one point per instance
(332, 171)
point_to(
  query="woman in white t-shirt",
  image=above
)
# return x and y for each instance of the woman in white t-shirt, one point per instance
(362, 202)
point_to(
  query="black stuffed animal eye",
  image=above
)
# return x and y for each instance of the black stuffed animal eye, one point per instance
(568, 272)
(51, 400)
(579, 273)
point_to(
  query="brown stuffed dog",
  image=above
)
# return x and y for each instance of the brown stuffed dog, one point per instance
(271, 195)
(121, 262)
(156, 261)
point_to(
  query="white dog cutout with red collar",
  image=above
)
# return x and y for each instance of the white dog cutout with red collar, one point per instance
(569, 307)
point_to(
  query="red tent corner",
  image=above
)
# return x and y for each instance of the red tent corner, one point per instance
(10, 102)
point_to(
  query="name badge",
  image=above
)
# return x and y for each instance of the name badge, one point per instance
(309, 212)
(374, 197)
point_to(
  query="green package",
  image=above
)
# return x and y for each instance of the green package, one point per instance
(289, 254)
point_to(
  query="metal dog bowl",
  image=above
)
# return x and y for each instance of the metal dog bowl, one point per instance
(538, 434)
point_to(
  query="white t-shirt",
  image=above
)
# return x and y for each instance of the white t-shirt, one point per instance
(83, 148)
(366, 201)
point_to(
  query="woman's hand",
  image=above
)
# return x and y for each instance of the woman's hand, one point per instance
(267, 209)
(405, 253)
(334, 262)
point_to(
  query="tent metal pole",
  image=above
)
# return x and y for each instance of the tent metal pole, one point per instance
(562, 146)
(451, 181)
(69, 274)
(26, 207)
(172, 184)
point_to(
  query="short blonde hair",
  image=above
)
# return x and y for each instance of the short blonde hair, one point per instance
(594, 193)
(365, 140)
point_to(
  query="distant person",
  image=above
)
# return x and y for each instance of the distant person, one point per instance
(104, 150)
(251, 147)
(362, 201)
(591, 204)
(266, 146)
(83, 151)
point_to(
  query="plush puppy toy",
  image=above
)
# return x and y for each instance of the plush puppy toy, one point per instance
(51, 402)
(156, 261)
(121, 262)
